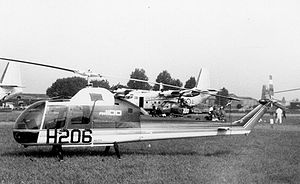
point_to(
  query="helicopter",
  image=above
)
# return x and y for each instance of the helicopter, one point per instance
(95, 117)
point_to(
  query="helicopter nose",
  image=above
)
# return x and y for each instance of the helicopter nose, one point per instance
(23, 137)
(26, 130)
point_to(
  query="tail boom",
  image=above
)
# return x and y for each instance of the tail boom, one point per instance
(174, 130)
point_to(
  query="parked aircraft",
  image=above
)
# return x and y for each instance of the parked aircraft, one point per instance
(183, 98)
(10, 82)
(94, 117)
(147, 99)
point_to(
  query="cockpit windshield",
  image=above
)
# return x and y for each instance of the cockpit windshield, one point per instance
(32, 117)
(55, 116)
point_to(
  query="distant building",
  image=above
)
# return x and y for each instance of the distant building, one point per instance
(295, 105)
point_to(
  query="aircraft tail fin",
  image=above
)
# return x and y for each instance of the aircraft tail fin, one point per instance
(11, 75)
(10, 82)
(203, 80)
(161, 87)
(271, 86)
(268, 92)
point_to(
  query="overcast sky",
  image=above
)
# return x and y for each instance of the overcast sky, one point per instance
(240, 42)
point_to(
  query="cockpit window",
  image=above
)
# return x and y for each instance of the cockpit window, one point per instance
(55, 116)
(80, 115)
(32, 117)
(129, 96)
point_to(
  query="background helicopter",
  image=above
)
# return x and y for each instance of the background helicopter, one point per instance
(94, 117)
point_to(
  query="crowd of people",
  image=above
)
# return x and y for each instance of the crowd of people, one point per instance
(216, 114)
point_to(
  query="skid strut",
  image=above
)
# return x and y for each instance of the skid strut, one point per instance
(117, 150)
(106, 150)
(57, 150)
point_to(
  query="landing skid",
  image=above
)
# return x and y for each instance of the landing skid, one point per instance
(116, 147)
(58, 151)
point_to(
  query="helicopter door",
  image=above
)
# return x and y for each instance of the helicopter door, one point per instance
(141, 102)
(79, 117)
(55, 116)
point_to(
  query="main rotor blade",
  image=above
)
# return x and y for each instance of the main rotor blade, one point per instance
(288, 90)
(38, 64)
(141, 80)
(158, 83)
(227, 97)
(90, 74)
(84, 73)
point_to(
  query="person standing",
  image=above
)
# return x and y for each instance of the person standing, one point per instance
(278, 115)
(284, 114)
(272, 117)
(153, 110)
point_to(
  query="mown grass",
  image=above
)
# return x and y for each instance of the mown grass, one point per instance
(267, 155)
(9, 116)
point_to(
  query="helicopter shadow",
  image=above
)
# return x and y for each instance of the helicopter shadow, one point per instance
(76, 152)
(49, 153)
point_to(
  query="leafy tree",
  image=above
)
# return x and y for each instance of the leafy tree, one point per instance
(66, 87)
(176, 82)
(138, 74)
(221, 100)
(101, 83)
(165, 77)
(190, 83)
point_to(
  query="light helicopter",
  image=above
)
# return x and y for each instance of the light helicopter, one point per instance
(94, 117)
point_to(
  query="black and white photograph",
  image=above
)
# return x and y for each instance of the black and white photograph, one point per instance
(149, 91)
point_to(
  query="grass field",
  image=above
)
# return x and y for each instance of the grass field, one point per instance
(267, 155)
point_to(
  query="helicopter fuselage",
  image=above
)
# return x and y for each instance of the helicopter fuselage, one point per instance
(93, 117)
